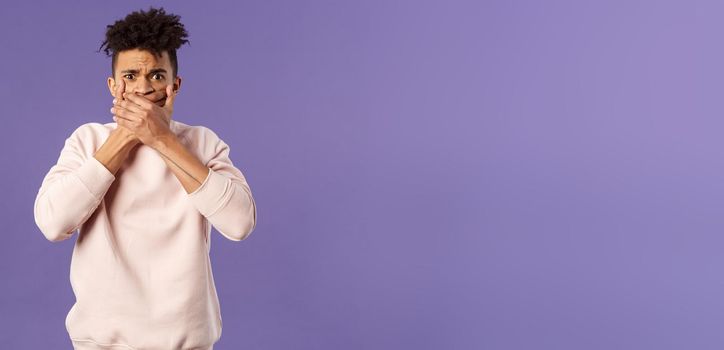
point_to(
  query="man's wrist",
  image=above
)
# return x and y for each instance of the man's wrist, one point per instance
(125, 136)
(164, 141)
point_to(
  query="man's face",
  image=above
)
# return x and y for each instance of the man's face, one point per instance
(144, 74)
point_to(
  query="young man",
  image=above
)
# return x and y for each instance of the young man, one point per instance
(143, 193)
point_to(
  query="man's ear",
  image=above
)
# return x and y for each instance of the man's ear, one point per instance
(177, 84)
(112, 86)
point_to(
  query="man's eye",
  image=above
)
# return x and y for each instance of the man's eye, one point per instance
(127, 76)
(160, 75)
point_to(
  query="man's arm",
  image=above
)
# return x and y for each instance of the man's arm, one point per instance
(189, 170)
(219, 191)
(74, 187)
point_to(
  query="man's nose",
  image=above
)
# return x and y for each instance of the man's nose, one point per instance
(143, 86)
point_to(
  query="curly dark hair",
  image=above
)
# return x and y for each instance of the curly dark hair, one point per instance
(152, 30)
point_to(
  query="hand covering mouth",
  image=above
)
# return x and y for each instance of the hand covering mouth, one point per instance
(159, 102)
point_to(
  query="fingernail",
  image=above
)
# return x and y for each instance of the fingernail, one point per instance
(112, 109)
(114, 101)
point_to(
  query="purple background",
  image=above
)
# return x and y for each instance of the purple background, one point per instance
(428, 175)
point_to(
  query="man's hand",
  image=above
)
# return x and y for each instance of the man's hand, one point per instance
(124, 132)
(148, 121)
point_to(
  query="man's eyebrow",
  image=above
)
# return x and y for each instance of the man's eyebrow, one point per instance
(135, 71)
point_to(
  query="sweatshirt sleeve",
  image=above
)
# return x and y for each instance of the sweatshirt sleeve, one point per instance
(71, 190)
(224, 197)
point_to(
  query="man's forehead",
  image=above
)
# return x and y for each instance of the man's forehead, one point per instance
(136, 70)
(142, 58)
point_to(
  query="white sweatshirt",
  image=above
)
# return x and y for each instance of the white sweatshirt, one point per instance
(140, 269)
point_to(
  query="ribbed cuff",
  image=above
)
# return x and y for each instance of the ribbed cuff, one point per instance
(95, 176)
(212, 194)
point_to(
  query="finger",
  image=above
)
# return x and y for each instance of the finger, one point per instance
(120, 89)
(128, 124)
(170, 97)
(140, 101)
(124, 113)
(122, 122)
(131, 106)
(157, 97)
